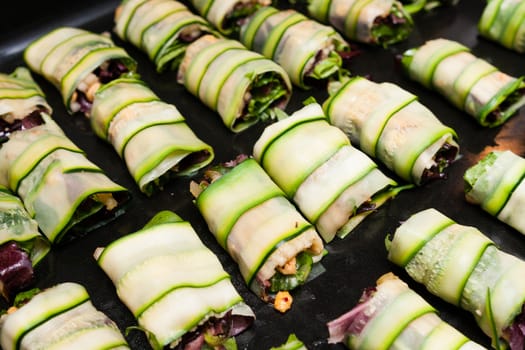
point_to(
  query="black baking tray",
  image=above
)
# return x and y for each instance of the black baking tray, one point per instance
(352, 263)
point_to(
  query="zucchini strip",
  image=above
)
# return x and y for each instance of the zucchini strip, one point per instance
(393, 316)
(188, 294)
(391, 125)
(333, 184)
(258, 226)
(242, 86)
(503, 21)
(470, 83)
(307, 50)
(60, 317)
(461, 265)
(150, 135)
(496, 183)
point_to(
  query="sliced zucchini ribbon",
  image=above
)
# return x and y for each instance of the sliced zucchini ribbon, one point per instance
(391, 125)
(187, 287)
(332, 183)
(462, 266)
(470, 83)
(503, 21)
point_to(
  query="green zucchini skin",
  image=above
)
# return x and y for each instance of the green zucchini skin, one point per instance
(307, 50)
(224, 75)
(356, 19)
(496, 183)
(503, 21)
(396, 318)
(461, 265)
(321, 172)
(256, 224)
(389, 124)
(60, 317)
(470, 83)
(162, 29)
(150, 135)
(187, 284)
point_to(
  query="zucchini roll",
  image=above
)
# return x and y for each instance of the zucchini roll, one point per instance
(468, 82)
(59, 317)
(59, 186)
(497, 184)
(160, 28)
(242, 86)
(462, 266)
(22, 246)
(190, 300)
(77, 62)
(307, 50)
(391, 125)
(274, 246)
(151, 136)
(393, 316)
(227, 15)
(333, 184)
(503, 21)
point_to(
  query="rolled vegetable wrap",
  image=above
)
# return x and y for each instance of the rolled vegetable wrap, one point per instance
(161, 28)
(59, 317)
(393, 316)
(333, 184)
(391, 125)
(242, 86)
(77, 62)
(307, 50)
(463, 266)
(468, 82)
(503, 21)
(151, 136)
(274, 246)
(497, 184)
(189, 298)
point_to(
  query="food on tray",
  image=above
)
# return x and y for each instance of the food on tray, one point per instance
(77, 62)
(468, 82)
(59, 317)
(242, 86)
(334, 184)
(292, 343)
(22, 246)
(497, 184)
(60, 187)
(275, 247)
(389, 124)
(226, 15)
(503, 21)
(190, 300)
(310, 52)
(393, 316)
(461, 265)
(151, 136)
(161, 28)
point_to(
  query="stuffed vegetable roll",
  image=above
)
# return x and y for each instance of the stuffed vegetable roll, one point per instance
(333, 184)
(160, 28)
(242, 86)
(151, 136)
(59, 317)
(308, 51)
(391, 125)
(274, 246)
(393, 316)
(461, 265)
(468, 82)
(497, 184)
(77, 62)
(59, 186)
(503, 21)
(190, 301)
